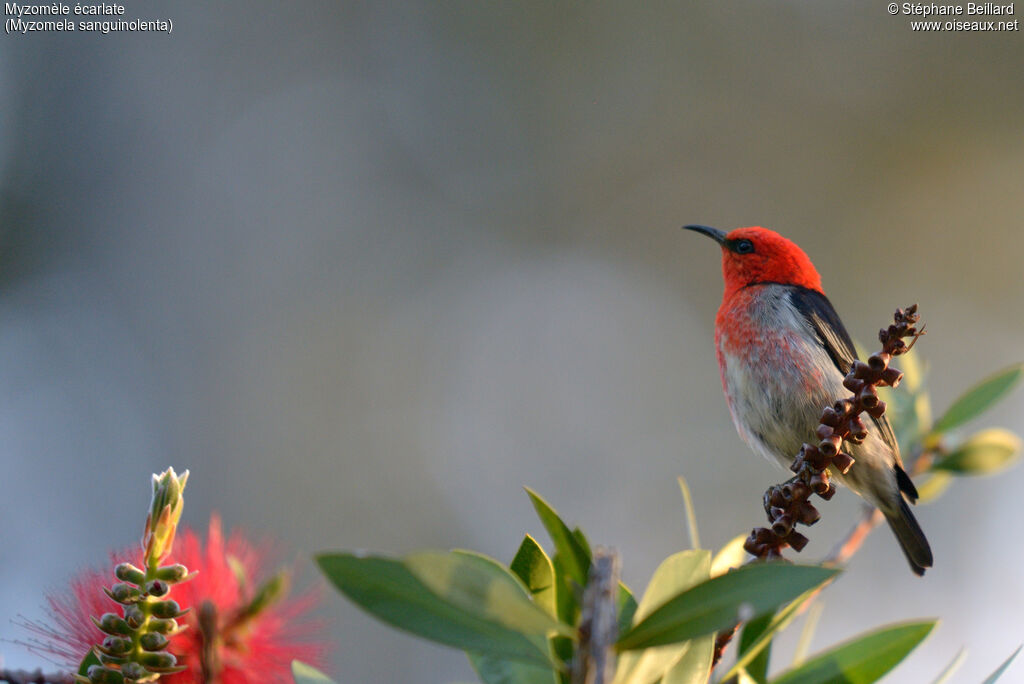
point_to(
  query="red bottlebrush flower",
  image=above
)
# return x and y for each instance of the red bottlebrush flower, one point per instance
(238, 632)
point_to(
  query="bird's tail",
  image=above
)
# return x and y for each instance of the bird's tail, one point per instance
(911, 538)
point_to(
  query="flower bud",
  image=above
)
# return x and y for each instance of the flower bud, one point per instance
(112, 624)
(126, 572)
(152, 641)
(172, 573)
(115, 646)
(162, 626)
(157, 588)
(104, 675)
(158, 661)
(133, 671)
(165, 609)
(123, 593)
(164, 513)
(134, 616)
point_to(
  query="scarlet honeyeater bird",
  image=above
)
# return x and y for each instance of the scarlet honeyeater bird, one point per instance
(782, 353)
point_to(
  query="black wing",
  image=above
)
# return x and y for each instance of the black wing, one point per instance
(818, 311)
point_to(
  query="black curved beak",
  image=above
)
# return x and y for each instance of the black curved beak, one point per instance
(713, 233)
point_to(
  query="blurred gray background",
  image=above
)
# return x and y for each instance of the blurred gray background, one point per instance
(366, 270)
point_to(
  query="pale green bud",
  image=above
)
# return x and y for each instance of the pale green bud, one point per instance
(164, 514)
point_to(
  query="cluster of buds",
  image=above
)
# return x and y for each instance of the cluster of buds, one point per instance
(135, 649)
(789, 503)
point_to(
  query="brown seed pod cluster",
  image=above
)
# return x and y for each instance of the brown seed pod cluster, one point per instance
(788, 503)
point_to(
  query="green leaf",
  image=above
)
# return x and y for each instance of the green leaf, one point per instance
(985, 452)
(581, 539)
(575, 557)
(732, 555)
(387, 589)
(307, 674)
(691, 517)
(862, 660)
(1002, 668)
(694, 665)
(934, 487)
(625, 608)
(979, 398)
(723, 601)
(677, 573)
(568, 592)
(494, 670)
(953, 666)
(757, 663)
(751, 652)
(568, 595)
(482, 585)
(534, 568)
(88, 661)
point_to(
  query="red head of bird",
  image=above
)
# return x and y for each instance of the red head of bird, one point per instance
(758, 255)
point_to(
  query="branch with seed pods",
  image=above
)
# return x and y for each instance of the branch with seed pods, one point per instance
(788, 504)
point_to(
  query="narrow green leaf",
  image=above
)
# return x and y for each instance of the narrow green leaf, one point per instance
(483, 586)
(750, 636)
(390, 591)
(581, 539)
(568, 592)
(953, 666)
(732, 555)
(625, 606)
(307, 674)
(691, 516)
(694, 665)
(992, 678)
(722, 601)
(568, 595)
(494, 670)
(985, 452)
(979, 398)
(677, 573)
(803, 645)
(574, 555)
(862, 660)
(534, 568)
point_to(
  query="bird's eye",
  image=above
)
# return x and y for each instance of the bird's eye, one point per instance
(744, 247)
